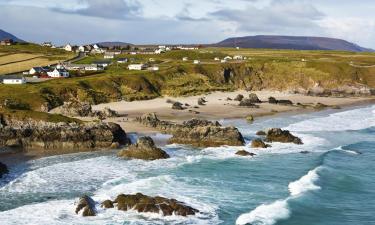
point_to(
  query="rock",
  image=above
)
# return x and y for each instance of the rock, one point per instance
(177, 106)
(200, 133)
(74, 109)
(38, 135)
(248, 103)
(144, 149)
(258, 143)
(273, 100)
(109, 113)
(229, 99)
(320, 106)
(304, 152)
(283, 136)
(335, 107)
(250, 118)
(107, 204)
(169, 101)
(3, 169)
(261, 133)
(245, 153)
(147, 204)
(254, 98)
(239, 98)
(201, 101)
(87, 204)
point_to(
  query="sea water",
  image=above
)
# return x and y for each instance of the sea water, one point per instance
(332, 185)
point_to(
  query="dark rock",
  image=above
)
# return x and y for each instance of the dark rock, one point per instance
(144, 203)
(201, 101)
(320, 106)
(304, 152)
(247, 103)
(107, 204)
(3, 169)
(261, 133)
(254, 98)
(199, 123)
(258, 143)
(283, 136)
(239, 98)
(177, 106)
(87, 204)
(229, 99)
(144, 149)
(272, 100)
(245, 153)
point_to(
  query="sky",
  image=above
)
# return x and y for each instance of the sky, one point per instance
(185, 21)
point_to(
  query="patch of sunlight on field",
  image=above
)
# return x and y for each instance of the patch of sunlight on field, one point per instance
(17, 57)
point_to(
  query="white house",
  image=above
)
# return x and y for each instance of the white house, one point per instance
(14, 80)
(137, 67)
(153, 68)
(159, 51)
(238, 57)
(223, 61)
(227, 58)
(38, 70)
(217, 59)
(122, 60)
(109, 55)
(57, 73)
(68, 48)
(197, 62)
(185, 59)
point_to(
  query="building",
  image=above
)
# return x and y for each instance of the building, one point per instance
(68, 48)
(58, 73)
(185, 59)
(7, 42)
(109, 55)
(84, 67)
(217, 59)
(14, 79)
(238, 57)
(122, 60)
(38, 70)
(47, 44)
(228, 58)
(197, 62)
(102, 63)
(153, 68)
(137, 66)
(223, 61)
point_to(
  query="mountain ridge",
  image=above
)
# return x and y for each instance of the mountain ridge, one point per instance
(5, 35)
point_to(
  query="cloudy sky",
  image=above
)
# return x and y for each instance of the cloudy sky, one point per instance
(185, 21)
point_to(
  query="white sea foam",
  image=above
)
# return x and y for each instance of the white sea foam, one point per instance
(305, 183)
(356, 119)
(266, 214)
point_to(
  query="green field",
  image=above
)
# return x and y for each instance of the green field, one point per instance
(264, 69)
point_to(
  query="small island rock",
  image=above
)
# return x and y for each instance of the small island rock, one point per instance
(144, 149)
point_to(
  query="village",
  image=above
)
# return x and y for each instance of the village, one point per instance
(129, 57)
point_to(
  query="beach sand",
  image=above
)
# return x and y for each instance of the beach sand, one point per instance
(216, 108)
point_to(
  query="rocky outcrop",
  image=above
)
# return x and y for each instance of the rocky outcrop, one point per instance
(283, 136)
(259, 143)
(239, 98)
(261, 133)
(107, 204)
(245, 153)
(248, 103)
(3, 169)
(200, 133)
(144, 149)
(202, 101)
(273, 100)
(87, 205)
(83, 109)
(38, 135)
(147, 204)
(254, 98)
(177, 106)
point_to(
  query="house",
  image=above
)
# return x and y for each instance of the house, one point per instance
(122, 60)
(58, 73)
(102, 63)
(197, 62)
(217, 59)
(137, 66)
(159, 51)
(68, 48)
(228, 58)
(14, 79)
(38, 70)
(223, 61)
(109, 55)
(238, 57)
(153, 68)
(185, 59)
(47, 44)
(84, 67)
(7, 42)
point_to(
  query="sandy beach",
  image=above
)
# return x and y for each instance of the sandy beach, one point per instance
(217, 107)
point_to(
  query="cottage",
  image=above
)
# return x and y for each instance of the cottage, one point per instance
(197, 62)
(238, 57)
(122, 60)
(84, 67)
(217, 59)
(227, 58)
(47, 44)
(185, 59)
(14, 79)
(223, 61)
(38, 70)
(109, 55)
(7, 42)
(153, 68)
(159, 51)
(102, 63)
(58, 73)
(68, 48)
(137, 66)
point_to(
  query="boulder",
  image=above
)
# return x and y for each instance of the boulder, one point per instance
(258, 143)
(86, 204)
(201, 101)
(107, 204)
(320, 106)
(147, 204)
(283, 136)
(177, 106)
(261, 133)
(250, 118)
(144, 149)
(254, 98)
(245, 153)
(3, 169)
(239, 98)
(248, 103)
(273, 100)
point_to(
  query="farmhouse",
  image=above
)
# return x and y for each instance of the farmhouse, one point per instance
(137, 66)
(238, 57)
(6, 42)
(38, 70)
(68, 48)
(14, 79)
(58, 73)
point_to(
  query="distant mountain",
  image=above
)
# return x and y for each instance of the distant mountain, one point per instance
(111, 44)
(292, 42)
(5, 35)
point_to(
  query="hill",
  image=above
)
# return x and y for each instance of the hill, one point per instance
(6, 35)
(292, 42)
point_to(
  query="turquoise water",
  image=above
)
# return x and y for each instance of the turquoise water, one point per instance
(333, 184)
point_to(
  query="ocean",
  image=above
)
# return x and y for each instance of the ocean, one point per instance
(334, 184)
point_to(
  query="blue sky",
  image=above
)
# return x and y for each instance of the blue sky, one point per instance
(185, 21)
